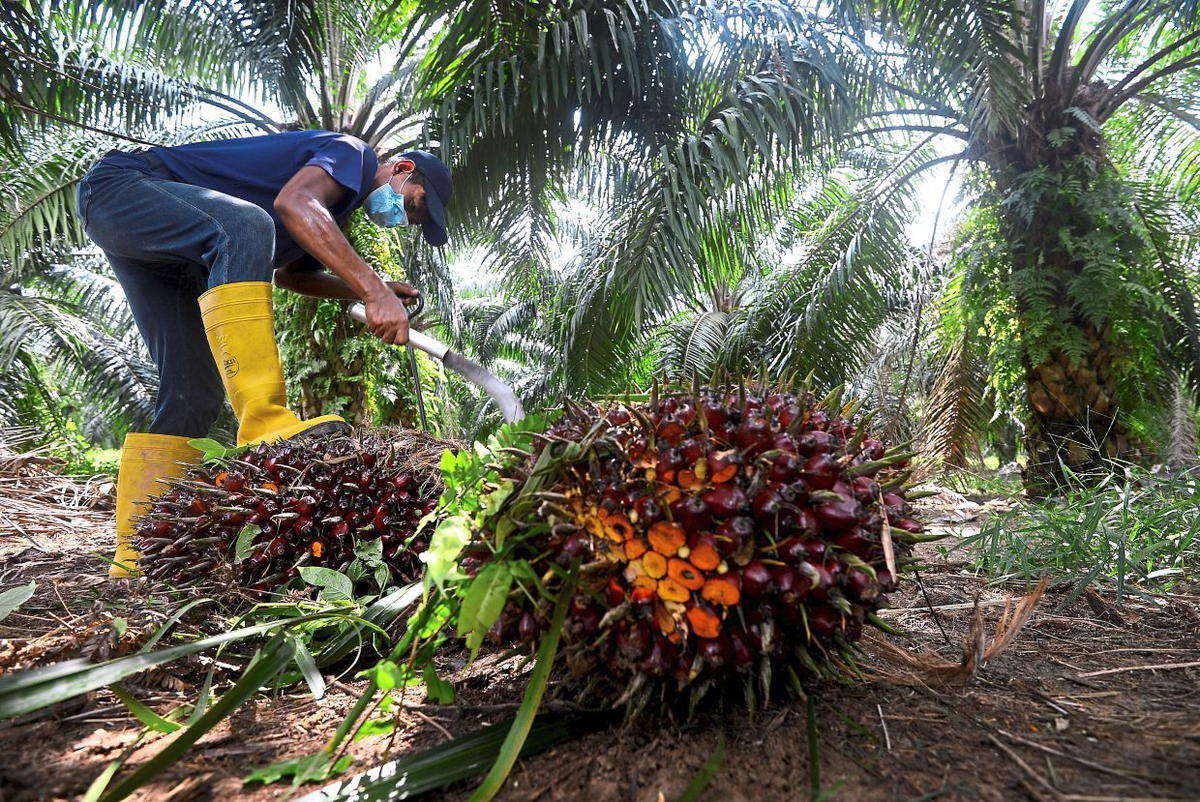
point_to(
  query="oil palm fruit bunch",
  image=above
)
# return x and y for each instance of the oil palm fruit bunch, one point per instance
(254, 520)
(705, 535)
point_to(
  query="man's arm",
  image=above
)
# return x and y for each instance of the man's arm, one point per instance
(319, 284)
(303, 206)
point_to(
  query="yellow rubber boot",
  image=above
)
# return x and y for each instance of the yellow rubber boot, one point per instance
(145, 459)
(240, 324)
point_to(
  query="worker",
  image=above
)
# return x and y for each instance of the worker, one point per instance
(195, 233)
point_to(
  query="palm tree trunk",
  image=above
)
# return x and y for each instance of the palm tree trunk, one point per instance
(1073, 423)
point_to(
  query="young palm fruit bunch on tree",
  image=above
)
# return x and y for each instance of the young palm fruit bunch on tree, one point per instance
(257, 519)
(714, 534)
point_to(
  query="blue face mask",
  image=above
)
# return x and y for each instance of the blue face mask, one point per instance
(385, 207)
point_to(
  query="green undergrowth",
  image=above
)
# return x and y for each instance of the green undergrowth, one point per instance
(1133, 534)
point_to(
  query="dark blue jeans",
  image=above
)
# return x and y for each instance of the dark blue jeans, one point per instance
(168, 242)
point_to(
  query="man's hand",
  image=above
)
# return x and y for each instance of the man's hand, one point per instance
(406, 291)
(387, 318)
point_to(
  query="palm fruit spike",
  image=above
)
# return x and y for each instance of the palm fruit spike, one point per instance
(713, 531)
(287, 505)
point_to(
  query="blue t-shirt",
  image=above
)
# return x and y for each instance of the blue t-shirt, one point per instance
(255, 169)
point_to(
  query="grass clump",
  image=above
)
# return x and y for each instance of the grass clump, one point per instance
(1133, 533)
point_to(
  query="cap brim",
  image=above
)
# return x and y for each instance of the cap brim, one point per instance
(435, 229)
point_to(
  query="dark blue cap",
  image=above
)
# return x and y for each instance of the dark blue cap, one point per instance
(438, 188)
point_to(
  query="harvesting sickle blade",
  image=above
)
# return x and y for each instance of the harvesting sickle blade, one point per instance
(501, 393)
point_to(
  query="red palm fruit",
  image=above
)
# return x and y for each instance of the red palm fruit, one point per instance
(715, 651)
(887, 582)
(784, 442)
(692, 450)
(733, 533)
(740, 648)
(857, 542)
(575, 548)
(819, 420)
(785, 468)
(669, 429)
(722, 434)
(658, 662)
(865, 489)
(842, 429)
(894, 503)
(753, 435)
(756, 579)
(767, 506)
(634, 639)
(528, 628)
(691, 513)
(670, 460)
(814, 442)
(715, 413)
(618, 416)
(776, 400)
(816, 549)
(821, 472)
(791, 550)
(798, 521)
(642, 596)
(614, 592)
(787, 414)
(838, 516)
(647, 510)
(824, 621)
(785, 579)
(872, 449)
(819, 576)
(860, 586)
(584, 618)
(723, 465)
(725, 500)
(910, 525)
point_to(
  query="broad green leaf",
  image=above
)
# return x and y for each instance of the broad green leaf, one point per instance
(448, 540)
(370, 552)
(335, 586)
(437, 688)
(243, 547)
(383, 575)
(375, 726)
(483, 603)
(388, 675)
(209, 448)
(120, 625)
(13, 598)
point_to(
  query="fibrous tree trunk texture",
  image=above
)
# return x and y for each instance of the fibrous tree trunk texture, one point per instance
(1074, 423)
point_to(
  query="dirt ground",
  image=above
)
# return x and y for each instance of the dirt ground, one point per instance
(1096, 701)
